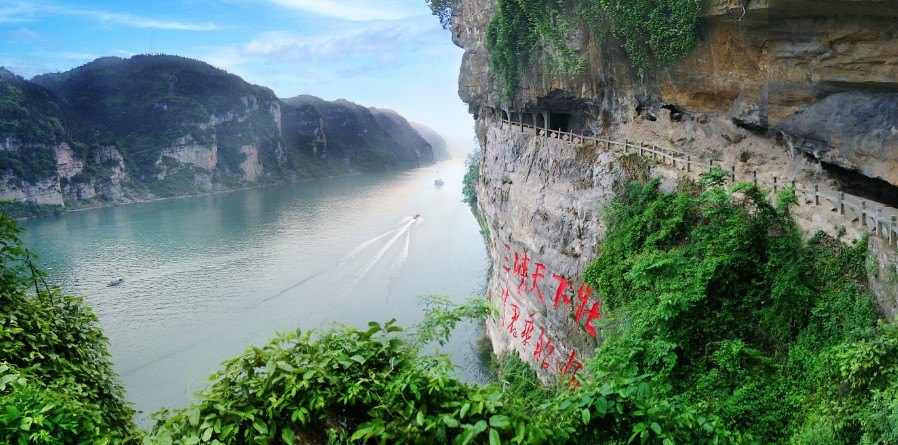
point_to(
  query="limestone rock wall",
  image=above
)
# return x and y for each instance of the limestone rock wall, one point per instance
(542, 201)
(820, 77)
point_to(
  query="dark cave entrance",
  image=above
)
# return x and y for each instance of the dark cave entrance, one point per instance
(560, 122)
(862, 186)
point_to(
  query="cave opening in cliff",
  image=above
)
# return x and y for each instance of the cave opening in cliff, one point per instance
(865, 187)
(560, 121)
(676, 114)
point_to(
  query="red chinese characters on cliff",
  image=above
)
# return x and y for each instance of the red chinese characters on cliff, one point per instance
(525, 279)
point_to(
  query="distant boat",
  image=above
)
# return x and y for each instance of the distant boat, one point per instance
(438, 182)
(116, 281)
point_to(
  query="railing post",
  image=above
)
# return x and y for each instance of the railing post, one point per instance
(607, 145)
(841, 203)
(879, 220)
(673, 160)
(864, 215)
(774, 185)
(892, 228)
(641, 146)
(754, 176)
(710, 165)
(688, 163)
(733, 173)
(816, 195)
(626, 146)
(794, 191)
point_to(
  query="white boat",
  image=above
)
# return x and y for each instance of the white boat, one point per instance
(116, 281)
(438, 182)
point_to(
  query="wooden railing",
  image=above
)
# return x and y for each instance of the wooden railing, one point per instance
(866, 213)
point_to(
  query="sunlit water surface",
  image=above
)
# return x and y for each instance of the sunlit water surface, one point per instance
(207, 276)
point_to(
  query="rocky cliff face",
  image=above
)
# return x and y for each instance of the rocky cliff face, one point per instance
(789, 89)
(820, 78)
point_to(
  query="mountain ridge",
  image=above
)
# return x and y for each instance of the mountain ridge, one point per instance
(119, 130)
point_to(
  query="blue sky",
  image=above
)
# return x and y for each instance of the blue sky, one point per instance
(384, 53)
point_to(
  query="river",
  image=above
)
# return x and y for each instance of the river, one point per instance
(206, 276)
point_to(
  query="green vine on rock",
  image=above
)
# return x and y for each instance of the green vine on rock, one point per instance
(652, 32)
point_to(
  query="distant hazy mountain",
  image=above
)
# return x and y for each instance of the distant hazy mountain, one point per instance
(119, 130)
(367, 136)
(437, 142)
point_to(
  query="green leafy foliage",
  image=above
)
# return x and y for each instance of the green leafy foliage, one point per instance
(516, 31)
(347, 385)
(712, 294)
(653, 33)
(443, 10)
(472, 176)
(56, 382)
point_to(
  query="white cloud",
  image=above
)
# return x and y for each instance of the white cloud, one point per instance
(286, 47)
(25, 35)
(135, 21)
(18, 13)
(354, 10)
(28, 11)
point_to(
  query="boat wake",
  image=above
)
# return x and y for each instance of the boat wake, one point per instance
(404, 228)
(399, 261)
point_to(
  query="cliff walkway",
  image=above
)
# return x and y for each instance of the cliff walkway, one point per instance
(870, 216)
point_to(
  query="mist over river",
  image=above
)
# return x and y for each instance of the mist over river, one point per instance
(207, 276)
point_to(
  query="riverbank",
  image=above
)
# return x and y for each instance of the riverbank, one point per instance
(42, 210)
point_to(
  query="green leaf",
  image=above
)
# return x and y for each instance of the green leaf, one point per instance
(585, 415)
(193, 416)
(464, 410)
(450, 422)
(500, 421)
(494, 437)
(656, 428)
(288, 436)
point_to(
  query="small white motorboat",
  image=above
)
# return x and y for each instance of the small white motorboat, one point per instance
(438, 182)
(116, 281)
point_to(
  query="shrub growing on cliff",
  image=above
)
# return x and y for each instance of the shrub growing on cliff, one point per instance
(443, 10)
(716, 296)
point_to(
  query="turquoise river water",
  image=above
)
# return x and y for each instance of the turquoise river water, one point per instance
(207, 276)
